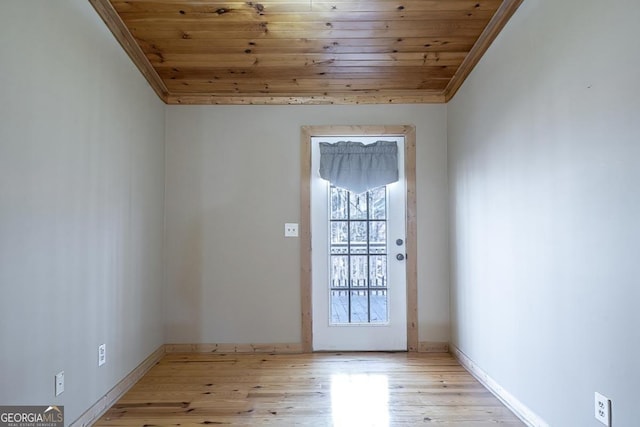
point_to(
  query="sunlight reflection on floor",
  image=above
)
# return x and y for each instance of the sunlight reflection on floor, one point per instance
(360, 400)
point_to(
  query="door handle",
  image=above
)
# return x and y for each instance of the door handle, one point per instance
(399, 257)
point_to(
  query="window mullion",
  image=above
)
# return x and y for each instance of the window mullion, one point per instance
(349, 255)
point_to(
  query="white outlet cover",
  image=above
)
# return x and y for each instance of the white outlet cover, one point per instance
(603, 409)
(59, 383)
(291, 229)
(102, 354)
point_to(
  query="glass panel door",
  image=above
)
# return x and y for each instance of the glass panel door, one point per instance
(358, 277)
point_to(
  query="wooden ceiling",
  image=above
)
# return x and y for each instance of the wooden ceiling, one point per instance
(305, 51)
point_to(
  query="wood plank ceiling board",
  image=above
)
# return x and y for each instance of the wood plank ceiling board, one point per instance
(305, 52)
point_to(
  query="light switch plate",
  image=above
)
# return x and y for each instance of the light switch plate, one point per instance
(291, 229)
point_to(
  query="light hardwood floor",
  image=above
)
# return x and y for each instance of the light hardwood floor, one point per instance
(319, 389)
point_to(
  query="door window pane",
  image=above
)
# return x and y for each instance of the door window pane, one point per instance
(378, 271)
(358, 237)
(358, 205)
(378, 303)
(339, 237)
(339, 306)
(358, 270)
(338, 202)
(359, 306)
(377, 237)
(339, 271)
(378, 203)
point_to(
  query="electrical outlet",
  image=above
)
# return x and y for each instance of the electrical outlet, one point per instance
(603, 409)
(102, 354)
(59, 383)
(291, 230)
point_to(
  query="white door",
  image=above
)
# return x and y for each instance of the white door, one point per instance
(358, 267)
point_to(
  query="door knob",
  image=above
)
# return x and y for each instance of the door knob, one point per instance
(399, 257)
(399, 242)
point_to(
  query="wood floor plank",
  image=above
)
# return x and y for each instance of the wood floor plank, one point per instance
(320, 389)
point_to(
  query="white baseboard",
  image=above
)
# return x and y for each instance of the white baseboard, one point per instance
(517, 407)
(234, 348)
(98, 409)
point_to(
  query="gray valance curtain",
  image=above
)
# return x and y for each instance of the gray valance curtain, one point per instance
(357, 167)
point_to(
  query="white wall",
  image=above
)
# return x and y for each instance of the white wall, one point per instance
(81, 206)
(544, 155)
(233, 180)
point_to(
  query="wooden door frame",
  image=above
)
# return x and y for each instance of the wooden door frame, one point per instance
(409, 133)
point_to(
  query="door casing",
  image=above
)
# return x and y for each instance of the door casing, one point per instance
(307, 132)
